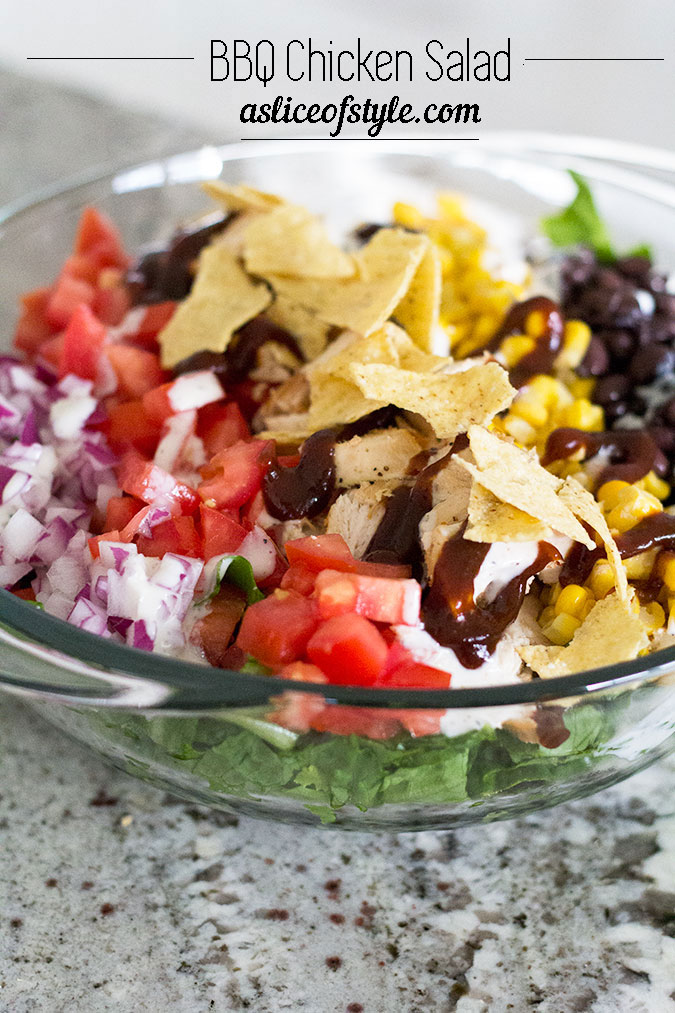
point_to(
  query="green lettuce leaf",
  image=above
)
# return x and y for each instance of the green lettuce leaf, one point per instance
(580, 222)
(238, 571)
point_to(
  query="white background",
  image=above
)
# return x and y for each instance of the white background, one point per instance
(631, 101)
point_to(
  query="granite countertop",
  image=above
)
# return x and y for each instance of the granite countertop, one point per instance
(115, 896)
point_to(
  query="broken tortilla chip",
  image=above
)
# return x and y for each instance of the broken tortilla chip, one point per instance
(385, 267)
(491, 520)
(451, 403)
(418, 310)
(612, 632)
(291, 241)
(240, 196)
(584, 506)
(223, 298)
(310, 332)
(515, 476)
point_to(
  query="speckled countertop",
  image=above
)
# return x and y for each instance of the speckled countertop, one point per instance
(115, 896)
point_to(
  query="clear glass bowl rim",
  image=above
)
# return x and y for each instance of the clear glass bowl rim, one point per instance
(195, 686)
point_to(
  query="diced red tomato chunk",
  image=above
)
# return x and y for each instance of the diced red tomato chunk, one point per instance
(350, 650)
(66, 295)
(120, 510)
(192, 390)
(382, 599)
(32, 329)
(220, 426)
(99, 241)
(331, 552)
(215, 630)
(177, 535)
(234, 476)
(222, 532)
(129, 425)
(152, 484)
(83, 340)
(137, 370)
(403, 672)
(300, 578)
(277, 629)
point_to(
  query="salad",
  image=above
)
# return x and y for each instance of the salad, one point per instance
(388, 462)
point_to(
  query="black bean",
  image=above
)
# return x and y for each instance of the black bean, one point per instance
(664, 437)
(611, 389)
(665, 303)
(620, 343)
(615, 410)
(668, 412)
(636, 268)
(651, 362)
(596, 359)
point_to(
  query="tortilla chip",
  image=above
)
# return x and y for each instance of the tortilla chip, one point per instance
(491, 520)
(223, 298)
(385, 266)
(418, 310)
(336, 402)
(310, 332)
(451, 403)
(584, 506)
(291, 241)
(612, 632)
(515, 476)
(240, 196)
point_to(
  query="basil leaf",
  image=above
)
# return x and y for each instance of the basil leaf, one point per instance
(580, 222)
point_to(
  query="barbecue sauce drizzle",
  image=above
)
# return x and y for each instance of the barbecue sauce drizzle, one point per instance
(633, 452)
(542, 356)
(451, 614)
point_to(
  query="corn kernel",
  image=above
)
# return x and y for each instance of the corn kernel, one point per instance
(608, 493)
(571, 600)
(582, 386)
(554, 593)
(552, 392)
(656, 486)
(653, 616)
(520, 430)
(562, 629)
(666, 570)
(633, 505)
(547, 616)
(532, 412)
(581, 414)
(640, 567)
(535, 324)
(601, 580)
(576, 339)
(514, 348)
(587, 609)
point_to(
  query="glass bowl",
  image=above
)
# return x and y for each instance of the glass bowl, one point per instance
(204, 732)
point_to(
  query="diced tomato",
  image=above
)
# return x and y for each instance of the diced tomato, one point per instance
(111, 304)
(154, 319)
(221, 531)
(302, 671)
(378, 598)
(128, 425)
(277, 629)
(152, 484)
(296, 711)
(26, 593)
(120, 510)
(177, 535)
(331, 552)
(32, 329)
(220, 426)
(99, 241)
(82, 343)
(420, 722)
(107, 536)
(137, 370)
(52, 351)
(300, 578)
(234, 476)
(350, 650)
(377, 723)
(66, 295)
(403, 672)
(214, 632)
(192, 390)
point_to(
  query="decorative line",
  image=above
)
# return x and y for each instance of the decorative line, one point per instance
(318, 138)
(110, 57)
(594, 59)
